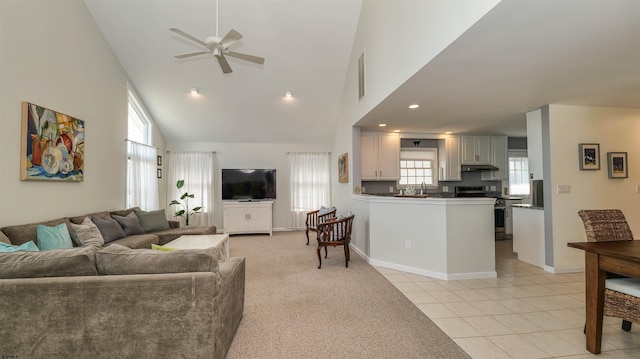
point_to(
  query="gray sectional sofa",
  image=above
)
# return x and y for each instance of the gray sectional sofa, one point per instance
(121, 300)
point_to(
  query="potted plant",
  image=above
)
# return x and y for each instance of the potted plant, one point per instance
(183, 203)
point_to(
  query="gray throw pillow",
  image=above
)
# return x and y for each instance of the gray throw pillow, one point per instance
(86, 234)
(152, 221)
(109, 228)
(116, 260)
(79, 261)
(130, 223)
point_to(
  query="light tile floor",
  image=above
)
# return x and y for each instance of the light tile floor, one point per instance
(524, 313)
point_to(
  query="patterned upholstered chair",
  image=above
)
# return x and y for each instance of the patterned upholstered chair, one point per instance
(622, 295)
(318, 216)
(335, 232)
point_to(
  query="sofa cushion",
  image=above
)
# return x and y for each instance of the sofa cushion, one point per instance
(124, 212)
(109, 228)
(152, 221)
(79, 219)
(129, 223)
(77, 261)
(86, 233)
(29, 232)
(56, 237)
(8, 248)
(4, 238)
(116, 259)
(137, 241)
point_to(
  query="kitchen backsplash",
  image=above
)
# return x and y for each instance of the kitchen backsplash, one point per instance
(383, 188)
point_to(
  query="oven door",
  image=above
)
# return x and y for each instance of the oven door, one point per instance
(498, 212)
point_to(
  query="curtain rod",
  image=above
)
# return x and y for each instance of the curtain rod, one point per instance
(167, 151)
(141, 144)
(309, 152)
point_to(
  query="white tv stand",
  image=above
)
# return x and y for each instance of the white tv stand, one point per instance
(248, 217)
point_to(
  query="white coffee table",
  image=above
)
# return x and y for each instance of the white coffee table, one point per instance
(202, 241)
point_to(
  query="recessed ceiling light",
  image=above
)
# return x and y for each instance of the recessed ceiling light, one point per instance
(288, 94)
(382, 125)
(396, 130)
(414, 106)
(195, 91)
(447, 133)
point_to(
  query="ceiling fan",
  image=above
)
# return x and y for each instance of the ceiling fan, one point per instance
(219, 47)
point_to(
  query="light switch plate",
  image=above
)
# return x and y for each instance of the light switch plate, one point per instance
(564, 188)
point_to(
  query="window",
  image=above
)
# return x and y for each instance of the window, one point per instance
(142, 184)
(418, 167)
(139, 128)
(518, 173)
(309, 181)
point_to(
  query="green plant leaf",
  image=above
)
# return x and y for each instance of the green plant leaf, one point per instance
(180, 184)
(196, 209)
(174, 202)
(184, 196)
(190, 195)
(180, 213)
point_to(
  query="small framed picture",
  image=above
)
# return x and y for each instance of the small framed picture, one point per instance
(589, 156)
(159, 173)
(159, 160)
(343, 168)
(617, 164)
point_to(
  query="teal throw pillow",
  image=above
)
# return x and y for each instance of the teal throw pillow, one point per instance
(56, 237)
(28, 246)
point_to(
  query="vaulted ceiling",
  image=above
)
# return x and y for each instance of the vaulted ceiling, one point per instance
(521, 55)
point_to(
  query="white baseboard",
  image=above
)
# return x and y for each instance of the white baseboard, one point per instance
(432, 274)
(563, 270)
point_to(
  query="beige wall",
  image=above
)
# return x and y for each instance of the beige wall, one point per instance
(616, 130)
(53, 55)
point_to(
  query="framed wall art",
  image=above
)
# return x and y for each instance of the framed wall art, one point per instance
(617, 165)
(343, 168)
(589, 156)
(52, 145)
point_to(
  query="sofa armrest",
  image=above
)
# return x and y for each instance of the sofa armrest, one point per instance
(174, 224)
(230, 303)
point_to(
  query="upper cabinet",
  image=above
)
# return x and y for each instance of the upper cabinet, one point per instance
(475, 150)
(379, 156)
(449, 159)
(499, 158)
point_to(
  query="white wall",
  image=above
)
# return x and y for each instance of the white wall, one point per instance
(616, 130)
(53, 55)
(255, 155)
(398, 38)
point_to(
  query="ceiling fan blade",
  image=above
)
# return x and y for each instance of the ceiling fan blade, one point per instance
(224, 64)
(190, 37)
(184, 56)
(231, 37)
(255, 59)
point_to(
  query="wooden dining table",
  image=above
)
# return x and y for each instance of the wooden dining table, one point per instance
(620, 257)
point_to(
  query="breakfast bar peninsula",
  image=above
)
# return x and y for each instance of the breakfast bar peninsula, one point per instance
(444, 238)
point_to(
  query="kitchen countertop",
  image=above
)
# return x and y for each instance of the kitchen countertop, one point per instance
(528, 206)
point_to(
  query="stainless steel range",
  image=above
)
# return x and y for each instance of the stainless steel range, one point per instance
(499, 207)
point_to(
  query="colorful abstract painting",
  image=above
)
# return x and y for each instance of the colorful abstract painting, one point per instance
(52, 145)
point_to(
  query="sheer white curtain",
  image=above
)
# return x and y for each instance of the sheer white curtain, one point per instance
(197, 170)
(310, 184)
(142, 183)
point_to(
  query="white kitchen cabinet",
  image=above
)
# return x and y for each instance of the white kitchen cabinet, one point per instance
(449, 159)
(379, 156)
(528, 235)
(475, 150)
(499, 158)
(248, 217)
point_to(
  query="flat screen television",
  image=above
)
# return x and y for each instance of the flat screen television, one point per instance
(248, 184)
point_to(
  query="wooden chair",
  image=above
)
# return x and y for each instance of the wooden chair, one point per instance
(335, 232)
(318, 216)
(621, 299)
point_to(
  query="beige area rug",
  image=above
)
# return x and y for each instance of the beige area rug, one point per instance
(295, 310)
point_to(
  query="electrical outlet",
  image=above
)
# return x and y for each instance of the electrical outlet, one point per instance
(363, 190)
(564, 188)
(407, 244)
(445, 188)
(391, 189)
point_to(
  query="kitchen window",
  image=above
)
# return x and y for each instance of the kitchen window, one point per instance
(519, 173)
(418, 167)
